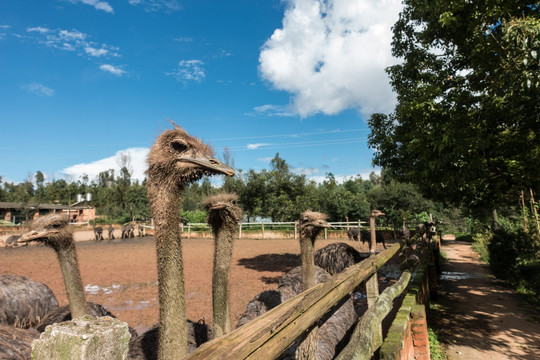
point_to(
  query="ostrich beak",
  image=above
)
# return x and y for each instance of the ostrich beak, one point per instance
(33, 235)
(211, 164)
(217, 206)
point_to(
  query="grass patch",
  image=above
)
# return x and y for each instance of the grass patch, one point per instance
(435, 348)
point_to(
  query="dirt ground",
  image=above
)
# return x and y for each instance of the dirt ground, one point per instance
(121, 274)
(480, 317)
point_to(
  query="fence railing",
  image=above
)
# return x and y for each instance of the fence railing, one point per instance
(273, 332)
(291, 226)
(267, 336)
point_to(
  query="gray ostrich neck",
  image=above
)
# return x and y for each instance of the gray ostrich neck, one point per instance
(307, 240)
(69, 265)
(373, 243)
(223, 248)
(165, 202)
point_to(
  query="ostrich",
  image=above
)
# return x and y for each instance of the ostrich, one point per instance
(311, 223)
(98, 232)
(333, 327)
(223, 216)
(24, 302)
(53, 231)
(335, 257)
(330, 329)
(354, 234)
(372, 245)
(110, 230)
(141, 230)
(12, 241)
(15, 344)
(175, 159)
(405, 232)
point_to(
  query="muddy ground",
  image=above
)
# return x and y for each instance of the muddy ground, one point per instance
(121, 274)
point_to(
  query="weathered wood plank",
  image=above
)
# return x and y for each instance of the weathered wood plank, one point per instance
(365, 339)
(270, 334)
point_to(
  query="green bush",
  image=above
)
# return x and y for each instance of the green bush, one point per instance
(435, 347)
(515, 256)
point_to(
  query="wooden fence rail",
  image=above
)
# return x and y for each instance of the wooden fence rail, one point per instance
(273, 332)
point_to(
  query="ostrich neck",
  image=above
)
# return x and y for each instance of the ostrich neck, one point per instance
(165, 204)
(373, 244)
(69, 264)
(224, 237)
(308, 263)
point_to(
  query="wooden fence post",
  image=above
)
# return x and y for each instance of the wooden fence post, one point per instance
(240, 231)
(296, 230)
(188, 230)
(372, 292)
(262, 227)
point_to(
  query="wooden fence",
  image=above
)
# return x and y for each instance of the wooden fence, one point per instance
(273, 332)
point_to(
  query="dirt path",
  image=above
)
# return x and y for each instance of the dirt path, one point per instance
(480, 317)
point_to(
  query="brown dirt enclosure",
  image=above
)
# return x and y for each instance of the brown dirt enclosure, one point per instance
(122, 274)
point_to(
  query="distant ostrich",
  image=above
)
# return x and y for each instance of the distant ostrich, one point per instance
(24, 302)
(175, 159)
(12, 241)
(336, 257)
(405, 232)
(141, 230)
(98, 232)
(223, 216)
(354, 234)
(16, 344)
(110, 230)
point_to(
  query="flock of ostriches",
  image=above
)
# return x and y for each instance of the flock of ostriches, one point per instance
(177, 159)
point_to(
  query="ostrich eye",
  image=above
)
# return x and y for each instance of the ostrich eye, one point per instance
(178, 146)
(234, 202)
(55, 226)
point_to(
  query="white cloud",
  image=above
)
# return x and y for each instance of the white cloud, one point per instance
(331, 55)
(189, 70)
(112, 69)
(305, 171)
(38, 89)
(38, 29)
(98, 5)
(256, 146)
(137, 162)
(72, 40)
(5, 26)
(274, 110)
(265, 159)
(157, 5)
(95, 52)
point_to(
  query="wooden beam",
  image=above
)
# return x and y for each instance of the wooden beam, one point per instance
(270, 334)
(365, 338)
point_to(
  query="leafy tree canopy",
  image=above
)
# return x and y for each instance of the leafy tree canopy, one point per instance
(465, 128)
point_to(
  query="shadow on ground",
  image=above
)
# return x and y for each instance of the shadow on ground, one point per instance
(271, 262)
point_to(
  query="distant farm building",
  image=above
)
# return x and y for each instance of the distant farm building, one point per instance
(19, 212)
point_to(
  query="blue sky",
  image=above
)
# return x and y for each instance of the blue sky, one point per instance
(83, 81)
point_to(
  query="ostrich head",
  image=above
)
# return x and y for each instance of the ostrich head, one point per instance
(52, 230)
(177, 158)
(223, 209)
(377, 213)
(311, 224)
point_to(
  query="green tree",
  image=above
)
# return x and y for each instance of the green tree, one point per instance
(465, 128)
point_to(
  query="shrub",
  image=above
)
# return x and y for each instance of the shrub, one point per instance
(515, 256)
